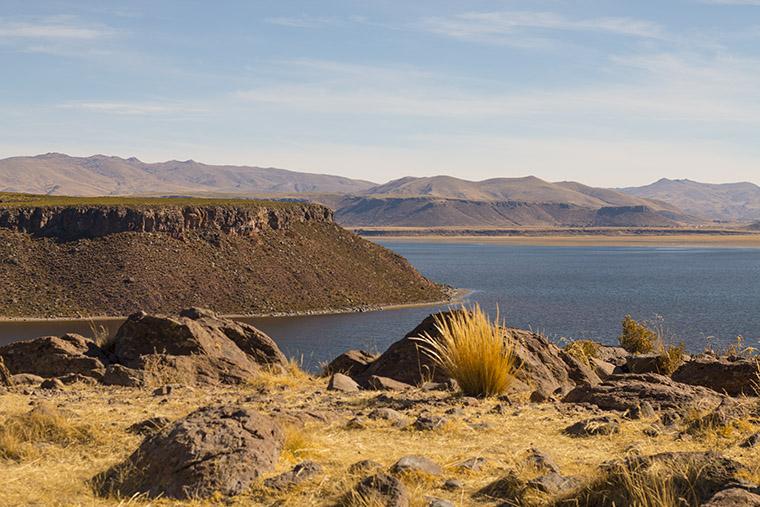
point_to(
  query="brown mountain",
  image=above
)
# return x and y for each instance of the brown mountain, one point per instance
(59, 174)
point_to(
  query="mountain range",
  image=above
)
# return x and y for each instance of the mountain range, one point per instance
(441, 201)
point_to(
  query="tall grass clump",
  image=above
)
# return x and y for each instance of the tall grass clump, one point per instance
(636, 337)
(474, 351)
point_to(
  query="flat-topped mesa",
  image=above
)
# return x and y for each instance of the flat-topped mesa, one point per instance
(72, 222)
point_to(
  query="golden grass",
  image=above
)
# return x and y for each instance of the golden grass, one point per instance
(636, 337)
(474, 351)
(670, 358)
(583, 350)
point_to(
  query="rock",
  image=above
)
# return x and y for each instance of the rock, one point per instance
(540, 461)
(542, 364)
(300, 473)
(383, 489)
(642, 363)
(198, 346)
(149, 426)
(472, 464)
(553, 483)
(539, 396)
(213, 450)
(734, 378)
(365, 466)
(439, 502)
(612, 354)
(6, 378)
(356, 423)
(343, 383)
(603, 369)
(26, 379)
(386, 384)
(733, 497)
(452, 485)
(52, 384)
(723, 415)
(624, 392)
(417, 465)
(118, 375)
(644, 410)
(604, 425)
(429, 422)
(350, 363)
(164, 390)
(53, 356)
(76, 378)
(387, 414)
(751, 441)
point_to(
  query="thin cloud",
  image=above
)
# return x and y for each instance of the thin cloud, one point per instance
(300, 21)
(131, 108)
(51, 30)
(732, 2)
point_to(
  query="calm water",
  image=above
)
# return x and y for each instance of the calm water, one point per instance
(579, 292)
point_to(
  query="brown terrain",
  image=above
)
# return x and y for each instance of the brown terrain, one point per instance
(105, 257)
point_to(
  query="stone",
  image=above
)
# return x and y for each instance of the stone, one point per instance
(350, 363)
(164, 390)
(733, 497)
(387, 414)
(541, 461)
(53, 356)
(215, 450)
(429, 422)
(453, 485)
(472, 464)
(383, 489)
(553, 483)
(723, 375)
(602, 368)
(365, 466)
(642, 363)
(26, 379)
(643, 410)
(356, 423)
(52, 384)
(300, 473)
(612, 354)
(439, 502)
(386, 384)
(342, 383)
(417, 465)
(539, 396)
(149, 426)
(626, 391)
(118, 375)
(751, 441)
(77, 378)
(604, 425)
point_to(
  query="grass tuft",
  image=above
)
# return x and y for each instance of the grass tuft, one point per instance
(636, 337)
(474, 351)
(583, 350)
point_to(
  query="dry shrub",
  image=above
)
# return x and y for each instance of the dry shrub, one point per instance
(299, 443)
(636, 337)
(20, 435)
(277, 376)
(474, 351)
(583, 350)
(670, 358)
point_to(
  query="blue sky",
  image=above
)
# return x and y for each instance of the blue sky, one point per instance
(607, 93)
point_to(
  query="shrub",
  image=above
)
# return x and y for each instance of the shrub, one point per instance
(670, 358)
(583, 350)
(474, 351)
(636, 337)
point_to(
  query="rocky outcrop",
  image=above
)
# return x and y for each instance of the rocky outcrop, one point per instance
(733, 497)
(733, 377)
(214, 450)
(69, 223)
(53, 356)
(629, 391)
(353, 362)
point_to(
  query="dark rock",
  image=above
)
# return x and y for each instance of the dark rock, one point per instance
(625, 392)
(214, 450)
(416, 464)
(351, 363)
(453, 485)
(720, 374)
(149, 426)
(472, 464)
(386, 384)
(439, 502)
(643, 363)
(383, 488)
(603, 369)
(52, 384)
(751, 441)
(76, 378)
(387, 414)
(300, 473)
(365, 466)
(541, 461)
(614, 355)
(356, 423)
(118, 375)
(53, 356)
(343, 383)
(604, 425)
(429, 422)
(553, 483)
(539, 396)
(642, 411)
(164, 390)
(733, 497)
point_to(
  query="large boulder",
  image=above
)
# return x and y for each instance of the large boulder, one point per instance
(352, 363)
(733, 377)
(541, 364)
(197, 347)
(628, 391)
(214, 450)
(733, 497)
(53, 356)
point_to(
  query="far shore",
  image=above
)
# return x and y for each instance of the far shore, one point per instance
(457, 297)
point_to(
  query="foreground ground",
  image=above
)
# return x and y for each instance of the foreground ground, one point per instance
(317, 426)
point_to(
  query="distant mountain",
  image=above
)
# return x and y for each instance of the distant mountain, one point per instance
(59, 174)
(722, 202)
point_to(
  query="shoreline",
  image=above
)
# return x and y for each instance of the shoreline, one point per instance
(457, 296)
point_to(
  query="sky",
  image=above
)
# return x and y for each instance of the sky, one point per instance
(608, 93)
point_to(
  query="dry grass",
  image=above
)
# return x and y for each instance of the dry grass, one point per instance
(636, 337)
(474, 351)
(670, 358)
(583, 350)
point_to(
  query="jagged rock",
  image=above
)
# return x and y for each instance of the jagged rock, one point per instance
(613, 355)
(602, 368)
(625, 392)
(343, 383)
(351, 363)
(386, 384)
(541, 461)
(118, 375)
(214, 450)
(149, 426)
(384, 489)
(604, 425)
(734, 378)
(26, 379)
(416, 464)
(52, 384)
(542, 364)
(733, 497)
(642, 363)
(553, 483)
(53, 356)
(300, 473)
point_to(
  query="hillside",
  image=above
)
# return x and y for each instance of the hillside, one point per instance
(721, 202)
(59, 174)
(69, 259)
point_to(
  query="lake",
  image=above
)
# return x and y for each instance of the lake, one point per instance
(563, 291)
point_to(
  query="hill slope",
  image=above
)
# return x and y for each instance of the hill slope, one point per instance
(236, 258)
(724, 202)
(59, 174)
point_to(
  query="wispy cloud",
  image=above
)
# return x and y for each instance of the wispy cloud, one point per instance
(732, 2)
(132, 108)
(300, 21)
(519, 27)
(52, 29)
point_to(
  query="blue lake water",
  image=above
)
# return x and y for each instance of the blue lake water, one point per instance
(562, 291)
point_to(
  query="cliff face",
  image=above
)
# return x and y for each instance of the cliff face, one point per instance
(68, 223)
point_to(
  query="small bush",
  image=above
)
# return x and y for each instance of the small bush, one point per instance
(474, 351)
(670, 358)
(583, 350)
(637, 338)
